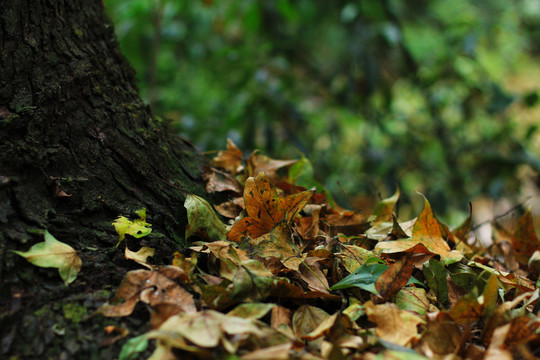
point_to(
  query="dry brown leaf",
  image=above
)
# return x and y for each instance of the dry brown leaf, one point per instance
(394, 278)
(258, 163)
(151, 287)
(219, 181)
(230, 159)
(393, 324)
(307, 318)
(441, 337)
(524, 239)
(265, 209)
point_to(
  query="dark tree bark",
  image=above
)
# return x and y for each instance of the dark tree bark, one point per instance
(72, 123)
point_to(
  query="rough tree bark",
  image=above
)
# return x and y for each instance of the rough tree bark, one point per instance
(77, 148)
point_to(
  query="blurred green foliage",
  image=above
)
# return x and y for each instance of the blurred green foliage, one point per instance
(433, 96)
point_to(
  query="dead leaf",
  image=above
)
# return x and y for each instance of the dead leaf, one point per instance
(277, 352)
(219, 181)
(384, 210)
(201, 216)
(230, 159)
(265, 209)
(311, 273)
(306, 319)
(524, 239)
(394, 278)
(471, 308)
(258, 164)
(55, 254)
(251, 310)
(441, 337)
(393, 324)
(140, 256)
(426, 231)
(231, 209)
(152, 287)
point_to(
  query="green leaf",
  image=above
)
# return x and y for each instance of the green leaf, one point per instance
(364, 278)
(435, 275)
(384, 210)
(137, 228)
(133, 347)
(55, 254)
(201, 215)
(413, 299)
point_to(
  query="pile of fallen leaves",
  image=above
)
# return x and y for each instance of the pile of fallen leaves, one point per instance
(289, 275)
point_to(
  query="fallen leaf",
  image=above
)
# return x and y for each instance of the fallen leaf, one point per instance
(393, 324)
(364, 278)
(471, 308)
(441, 337)
(258, 164)
(426, 231)
(219, 181)
(394, 278)
(137, 228)
(435, 275)
(140, 256)
(277, 243)
(311, 273)
(306, 319)
(55, 254)
(276, 352)
(265, 209)
(231, 209)
(415, 300)
(230, 159)
(201, 216)
(524, 239)
(384, 210)
(281, 320)
(251, 310)
(152, 287)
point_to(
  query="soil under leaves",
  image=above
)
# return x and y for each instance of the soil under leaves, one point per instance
(287, 274)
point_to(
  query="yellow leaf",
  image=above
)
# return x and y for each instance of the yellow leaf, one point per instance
(140, 256)
(426, 231)
(55, 254)
(393, 324)
(137, 229)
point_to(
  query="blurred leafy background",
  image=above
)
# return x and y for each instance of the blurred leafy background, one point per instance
(438, 96)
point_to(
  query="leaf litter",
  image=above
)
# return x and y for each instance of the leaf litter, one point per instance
(289, 275)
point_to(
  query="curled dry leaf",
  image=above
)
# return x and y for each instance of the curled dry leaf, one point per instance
(152, 287)
(219, 181)
(140, 256)
(230, 159)
(258, 164)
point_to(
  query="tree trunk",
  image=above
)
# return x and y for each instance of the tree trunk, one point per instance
(78, 148)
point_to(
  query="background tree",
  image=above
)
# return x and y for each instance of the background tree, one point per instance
(434, 96)
(77, 148)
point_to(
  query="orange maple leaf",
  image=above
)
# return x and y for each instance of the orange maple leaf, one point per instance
(265, 208)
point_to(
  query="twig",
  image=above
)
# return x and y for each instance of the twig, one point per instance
(506, 213)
